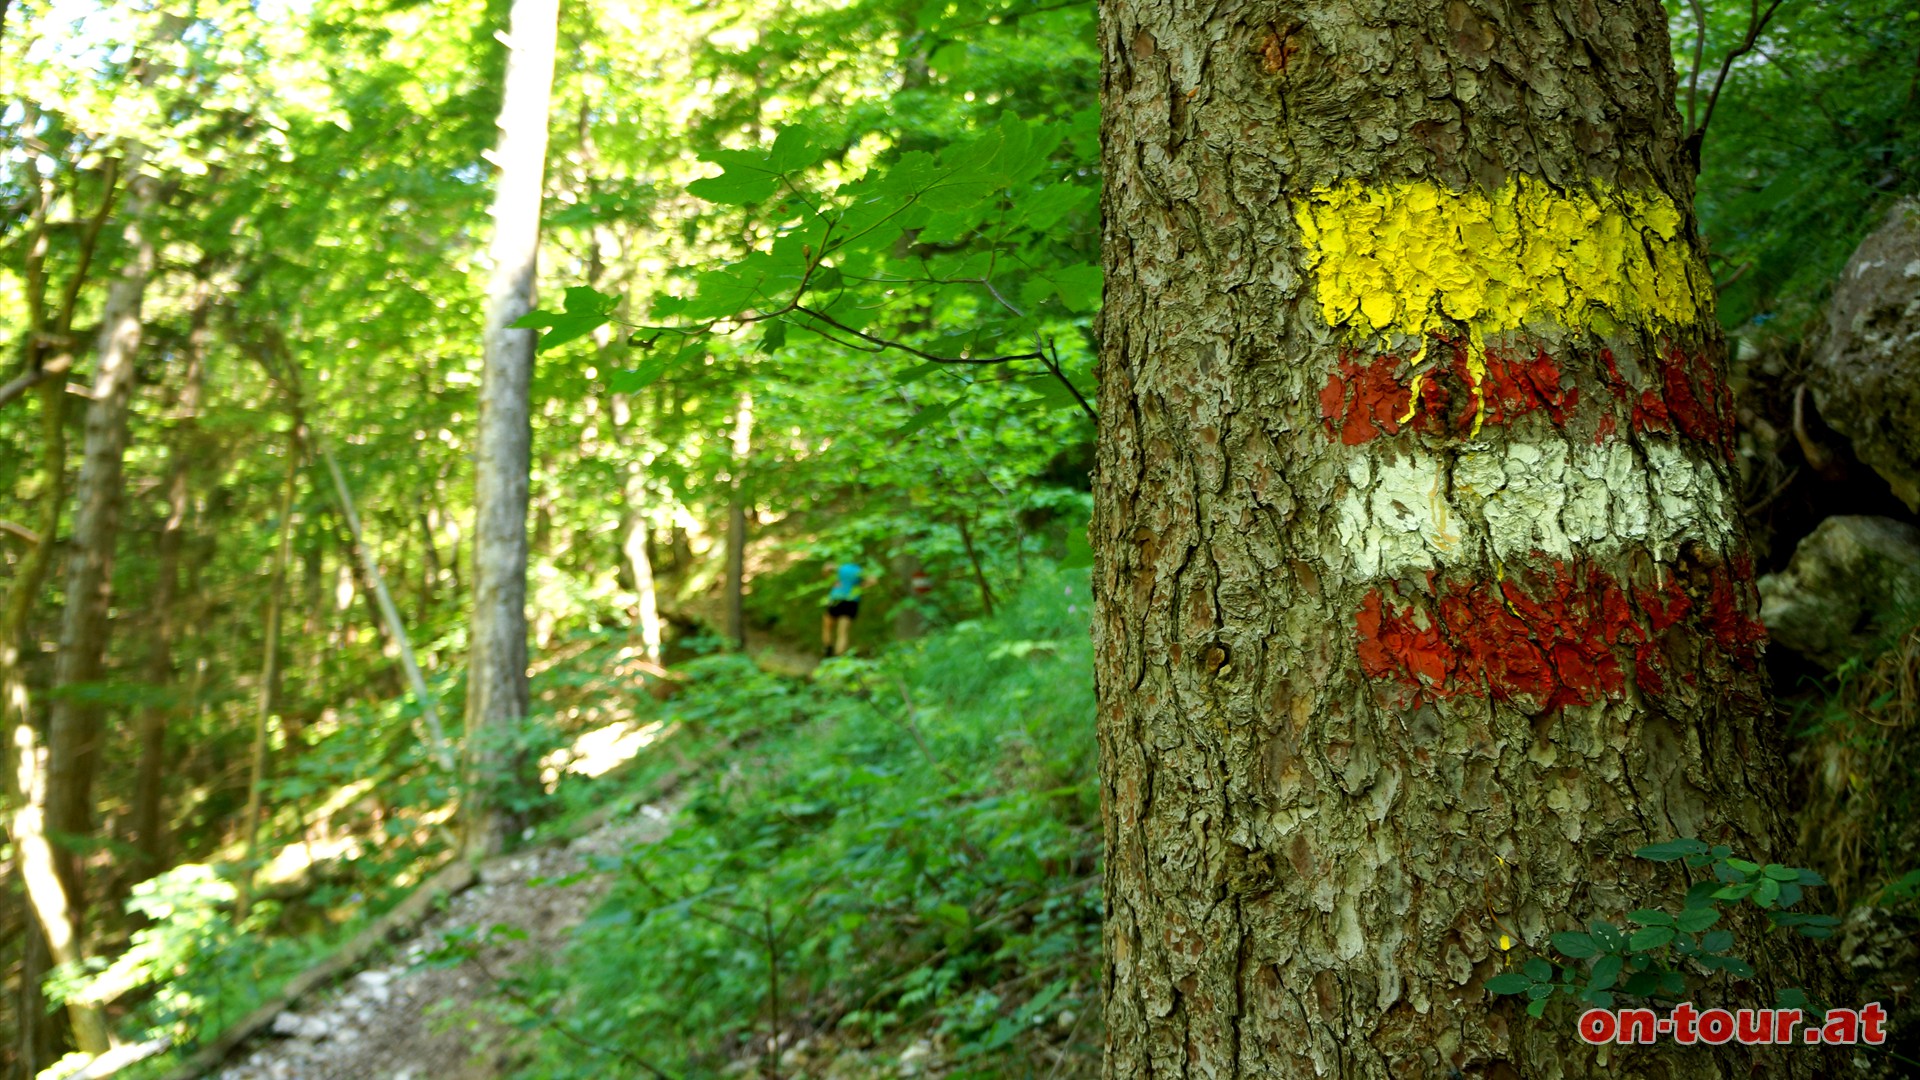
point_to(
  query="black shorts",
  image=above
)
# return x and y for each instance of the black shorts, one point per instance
(843, 609)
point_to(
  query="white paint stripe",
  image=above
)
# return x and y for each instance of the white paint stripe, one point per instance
(1402, 513)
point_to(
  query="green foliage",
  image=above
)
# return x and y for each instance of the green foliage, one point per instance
(1657, 954)
(909, 840)
(201, 969)
(1814, 135)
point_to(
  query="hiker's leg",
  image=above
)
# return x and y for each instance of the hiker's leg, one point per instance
(826, 633)
(844, 632)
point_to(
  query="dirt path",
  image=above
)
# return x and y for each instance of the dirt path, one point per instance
(403, 1021)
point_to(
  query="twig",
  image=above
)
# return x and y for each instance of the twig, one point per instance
(1756, 23)
(1053, 365)
(552, 1024)
(1067, 1049)
(902, 346)
(31, 538)
(773, 991)
(1816, 455)
(1772, 495)
(1737, 275)
(1699, 59)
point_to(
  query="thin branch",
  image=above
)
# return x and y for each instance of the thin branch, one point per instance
(902, 346)
(1699, 60)
(1053, 365)
(18, 386)
(31, 538)
(89, 241)
(1756, 24)
(1004, 302)
(1737, 275)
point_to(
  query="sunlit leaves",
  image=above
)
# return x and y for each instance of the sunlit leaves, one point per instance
(584, 310)
(752, 176)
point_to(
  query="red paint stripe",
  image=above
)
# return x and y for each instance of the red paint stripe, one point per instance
(1363, 399)
(1691, 398)
(1568, 637)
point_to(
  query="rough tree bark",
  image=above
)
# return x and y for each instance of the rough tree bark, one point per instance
(1423, 599)
(497, 695)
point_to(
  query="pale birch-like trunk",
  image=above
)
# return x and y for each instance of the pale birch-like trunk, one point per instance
(634, 542)
(387, 614)
(1423, 599)
(736, 583)
(497, 695)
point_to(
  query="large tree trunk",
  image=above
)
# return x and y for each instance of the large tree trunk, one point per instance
(497, 695)
(1423, 600)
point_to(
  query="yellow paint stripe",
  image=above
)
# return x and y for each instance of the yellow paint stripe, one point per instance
(1417, 259)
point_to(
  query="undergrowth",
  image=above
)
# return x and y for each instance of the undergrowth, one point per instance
(894, 871)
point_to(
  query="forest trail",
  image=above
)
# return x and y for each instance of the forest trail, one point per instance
(397, 1018)
(775, 653)
(404, 1020)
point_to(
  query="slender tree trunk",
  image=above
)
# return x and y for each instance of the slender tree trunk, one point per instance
(389, 682)
(269, 677)
(736, 584)
(634, 542)
(909, 621)
(37, 1040)
(388, 616)
(74, 730)
(26, 762)
(1422, 596)
(149, 778)
(430, 569)
(973, 557)
(497, 696)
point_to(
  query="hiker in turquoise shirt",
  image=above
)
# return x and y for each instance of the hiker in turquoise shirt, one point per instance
(843, 604)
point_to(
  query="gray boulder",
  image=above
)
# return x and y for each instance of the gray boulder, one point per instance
(1865, 374)
(1851, 583)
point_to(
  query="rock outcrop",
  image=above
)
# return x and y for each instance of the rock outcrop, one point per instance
(1850, 585)
(1865, 374)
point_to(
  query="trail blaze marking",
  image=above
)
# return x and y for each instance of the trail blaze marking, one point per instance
(1415, 260)
(1421, 510)
(1361, 403)
(1566, 639)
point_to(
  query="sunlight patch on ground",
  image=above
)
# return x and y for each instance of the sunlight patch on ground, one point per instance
(600, 750)
(290, 863)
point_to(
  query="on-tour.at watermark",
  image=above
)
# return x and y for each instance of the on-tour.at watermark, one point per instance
(1751, 1027)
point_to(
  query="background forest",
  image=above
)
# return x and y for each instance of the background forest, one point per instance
(727, 856)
